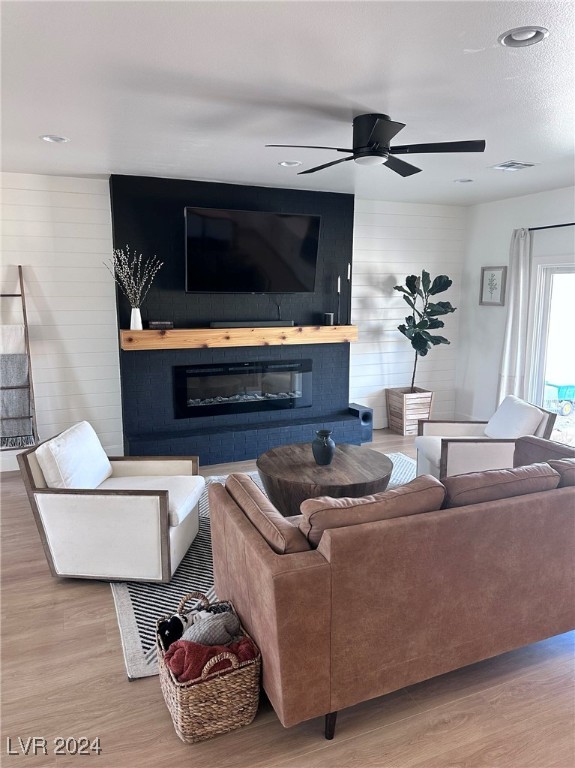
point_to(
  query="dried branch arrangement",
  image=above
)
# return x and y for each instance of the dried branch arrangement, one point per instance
(133, 274)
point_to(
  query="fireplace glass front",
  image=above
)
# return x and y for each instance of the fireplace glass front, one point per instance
(212, 390)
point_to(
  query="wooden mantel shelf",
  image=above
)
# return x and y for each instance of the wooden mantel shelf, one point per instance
(209, 338)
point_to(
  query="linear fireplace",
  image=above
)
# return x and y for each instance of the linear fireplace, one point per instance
(213, 390)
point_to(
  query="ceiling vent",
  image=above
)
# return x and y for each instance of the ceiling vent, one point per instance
(512, 165)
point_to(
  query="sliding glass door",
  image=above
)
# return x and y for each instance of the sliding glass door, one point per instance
(552, 368)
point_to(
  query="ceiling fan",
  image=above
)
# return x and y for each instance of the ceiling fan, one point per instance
(371, 136)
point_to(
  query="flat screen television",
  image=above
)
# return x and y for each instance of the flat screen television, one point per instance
(229, 251)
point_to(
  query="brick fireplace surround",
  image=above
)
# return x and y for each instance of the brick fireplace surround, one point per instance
(151, 427)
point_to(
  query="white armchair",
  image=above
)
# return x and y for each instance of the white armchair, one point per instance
(447, 448)
(120, 518)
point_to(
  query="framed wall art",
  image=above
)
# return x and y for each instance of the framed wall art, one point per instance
(492, 292)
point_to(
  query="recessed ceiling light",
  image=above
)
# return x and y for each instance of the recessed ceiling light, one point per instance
(53, 139)
(290, 163)
(522, 36)
(462, 181)
(512, 165)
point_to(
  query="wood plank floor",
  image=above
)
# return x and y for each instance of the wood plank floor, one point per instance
(63, 676)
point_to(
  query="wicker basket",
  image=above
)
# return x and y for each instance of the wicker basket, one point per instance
(216, 702)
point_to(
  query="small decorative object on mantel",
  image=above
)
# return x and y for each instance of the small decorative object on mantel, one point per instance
(323, 447)
(406, 405)
(134, 275)
(328, 318)
(160, 325)
(492, 293)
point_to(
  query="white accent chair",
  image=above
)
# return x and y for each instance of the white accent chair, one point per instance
(120, 518)
(446, 448)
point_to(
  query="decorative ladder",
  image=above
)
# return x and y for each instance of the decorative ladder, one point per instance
(31, 438)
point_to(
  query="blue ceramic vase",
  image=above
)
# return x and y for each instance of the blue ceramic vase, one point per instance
(323, 447)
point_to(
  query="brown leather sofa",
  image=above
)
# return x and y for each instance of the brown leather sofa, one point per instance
(449, 575)
(530, 449)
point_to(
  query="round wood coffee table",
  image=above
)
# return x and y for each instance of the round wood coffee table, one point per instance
(290, 475)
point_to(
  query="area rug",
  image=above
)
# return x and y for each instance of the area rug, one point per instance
(138, 605)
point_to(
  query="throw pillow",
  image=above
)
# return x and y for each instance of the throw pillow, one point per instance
(424, 494)
(566, 468)
(74, 459)
(514, 418)
(282, 536)
(494, 484)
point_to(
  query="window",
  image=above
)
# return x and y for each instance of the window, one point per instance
(551, 378)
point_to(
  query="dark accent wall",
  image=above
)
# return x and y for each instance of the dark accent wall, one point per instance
(148, 214)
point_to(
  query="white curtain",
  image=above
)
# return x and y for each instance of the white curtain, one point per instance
(512, 374)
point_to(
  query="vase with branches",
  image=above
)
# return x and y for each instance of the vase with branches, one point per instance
(134, 274)
(418, 293)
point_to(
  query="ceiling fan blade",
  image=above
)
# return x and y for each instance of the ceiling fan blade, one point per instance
(401, 167)
(327, 165)
(306, 146)
(383, 131)
(444, 146)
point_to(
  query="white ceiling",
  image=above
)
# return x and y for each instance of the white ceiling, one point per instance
(196, 89)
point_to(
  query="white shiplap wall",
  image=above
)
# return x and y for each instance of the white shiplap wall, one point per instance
(392, 240)
(60, 230)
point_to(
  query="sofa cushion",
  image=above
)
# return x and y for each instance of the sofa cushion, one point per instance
(184, 491)
(424, 494)
(294, 520)
(514, 418)
(494, 484)
(566, 468)
(74, 459)
(282, 536)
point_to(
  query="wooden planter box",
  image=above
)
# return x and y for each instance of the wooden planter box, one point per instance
(405, 408)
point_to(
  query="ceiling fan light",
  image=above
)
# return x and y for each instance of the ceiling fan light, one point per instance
(522, 36)
(370, 160)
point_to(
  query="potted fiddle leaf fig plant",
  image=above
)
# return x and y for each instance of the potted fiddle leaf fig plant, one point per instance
(406, 405)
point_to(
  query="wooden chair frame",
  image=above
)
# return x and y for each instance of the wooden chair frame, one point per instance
(32, 490)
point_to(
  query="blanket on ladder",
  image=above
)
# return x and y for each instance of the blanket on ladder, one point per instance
(15, 417)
